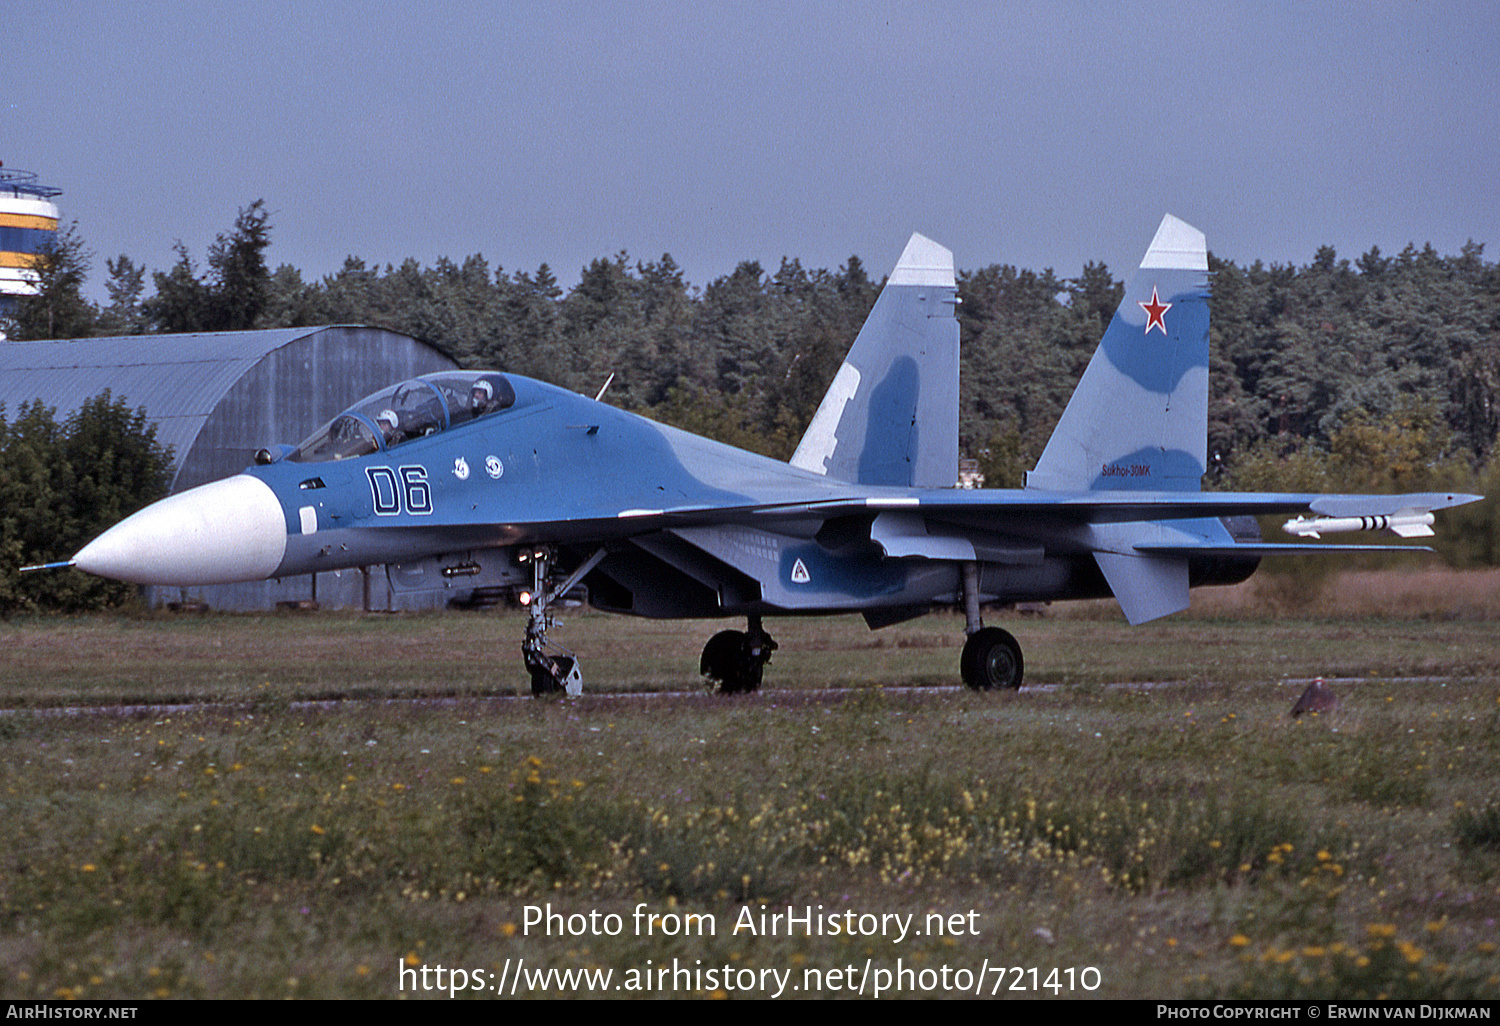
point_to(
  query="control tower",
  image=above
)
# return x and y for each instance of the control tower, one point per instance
(28, 222)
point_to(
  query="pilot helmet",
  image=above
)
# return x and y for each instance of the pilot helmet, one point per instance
(481, 394)
(388, 421)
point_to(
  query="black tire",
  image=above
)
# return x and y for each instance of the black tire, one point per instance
(727, 663)
(548, 676)
(992, 661)
(750, 673)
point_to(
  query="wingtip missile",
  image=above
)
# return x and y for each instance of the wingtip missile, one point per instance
(1405, 525)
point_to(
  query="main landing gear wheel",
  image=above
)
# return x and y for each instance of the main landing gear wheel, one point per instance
(735, 661)
(991, 661)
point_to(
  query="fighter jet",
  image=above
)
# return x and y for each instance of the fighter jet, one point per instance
(493, 480)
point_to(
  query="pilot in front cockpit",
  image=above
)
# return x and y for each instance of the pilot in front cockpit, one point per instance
(390, 426)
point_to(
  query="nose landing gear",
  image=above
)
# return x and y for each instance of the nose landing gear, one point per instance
(553, 669)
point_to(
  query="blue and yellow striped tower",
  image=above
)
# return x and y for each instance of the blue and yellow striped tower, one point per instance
(28, 222)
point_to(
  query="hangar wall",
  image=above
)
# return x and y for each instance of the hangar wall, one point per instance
(295, 387)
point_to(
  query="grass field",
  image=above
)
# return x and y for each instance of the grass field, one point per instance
(1186, 838)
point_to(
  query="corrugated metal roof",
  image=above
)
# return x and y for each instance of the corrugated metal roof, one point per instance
(178, 378)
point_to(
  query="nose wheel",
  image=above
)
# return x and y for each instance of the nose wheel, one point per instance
(554, 670)
(734, 661)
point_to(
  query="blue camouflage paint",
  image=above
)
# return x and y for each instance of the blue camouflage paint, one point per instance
(1154, 361)
(632, 465)
(1117, 480)
(892, 432)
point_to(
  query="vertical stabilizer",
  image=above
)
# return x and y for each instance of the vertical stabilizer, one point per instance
(1139, 417)
(891, 415)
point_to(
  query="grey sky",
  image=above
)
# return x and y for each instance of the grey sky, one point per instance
(1035, 134)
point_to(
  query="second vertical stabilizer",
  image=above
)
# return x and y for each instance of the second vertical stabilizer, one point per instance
(891, 415)
(1139, 417)
(1138, 420)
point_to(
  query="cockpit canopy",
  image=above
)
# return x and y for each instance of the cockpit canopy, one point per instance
(413, 409)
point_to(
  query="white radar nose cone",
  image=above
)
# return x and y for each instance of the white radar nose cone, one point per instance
(218, 533)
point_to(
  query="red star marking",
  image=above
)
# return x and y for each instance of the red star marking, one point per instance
(1154, 311)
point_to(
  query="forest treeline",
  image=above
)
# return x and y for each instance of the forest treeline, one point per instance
(1380, 373)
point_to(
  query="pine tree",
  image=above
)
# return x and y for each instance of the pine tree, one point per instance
(57, 309)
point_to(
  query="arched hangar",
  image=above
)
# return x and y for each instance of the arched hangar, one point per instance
(217, 397)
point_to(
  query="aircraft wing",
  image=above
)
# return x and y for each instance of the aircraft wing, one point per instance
(992, 508)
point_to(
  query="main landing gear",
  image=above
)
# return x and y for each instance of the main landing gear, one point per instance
(553, 669)
(991, 658)
(733, 661)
